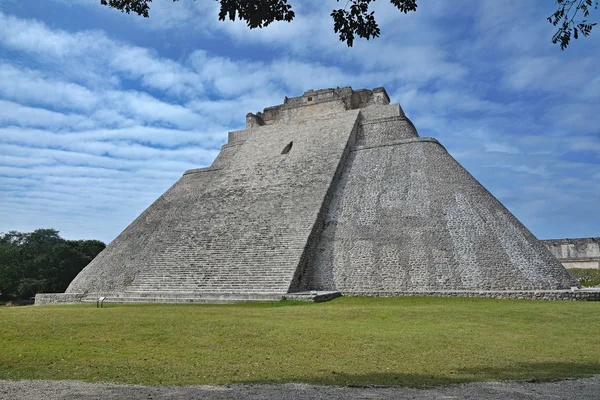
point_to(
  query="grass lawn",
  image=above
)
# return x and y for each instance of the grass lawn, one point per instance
(356, 341)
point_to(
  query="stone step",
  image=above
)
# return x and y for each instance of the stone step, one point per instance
(204, 297)
(216, 276)
(210, 280)
(219, 277)
(195, 279)
(191, 278)
(210, 283)
(216, 285)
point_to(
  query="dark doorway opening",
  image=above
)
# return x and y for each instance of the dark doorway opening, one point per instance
(287, 148)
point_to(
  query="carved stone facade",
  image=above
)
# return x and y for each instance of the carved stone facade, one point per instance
(576, 253)
(333, 190)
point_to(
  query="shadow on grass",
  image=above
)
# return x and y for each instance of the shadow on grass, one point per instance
(530, 372)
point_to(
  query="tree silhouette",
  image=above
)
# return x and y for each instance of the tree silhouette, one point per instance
(356, 19)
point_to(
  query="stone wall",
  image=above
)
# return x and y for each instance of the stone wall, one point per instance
(241, 225)
(58, 298)
(576, 253)
(569, 295)
(318, 102)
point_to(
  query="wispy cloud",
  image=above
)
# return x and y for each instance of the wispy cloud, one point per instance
(96, 123)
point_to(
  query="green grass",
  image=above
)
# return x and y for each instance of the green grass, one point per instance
(586, 276)
(356, 341)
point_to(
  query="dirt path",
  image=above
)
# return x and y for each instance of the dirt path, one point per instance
(587, 388)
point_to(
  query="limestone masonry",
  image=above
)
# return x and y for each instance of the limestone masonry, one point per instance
(576, 253)
(331, 191)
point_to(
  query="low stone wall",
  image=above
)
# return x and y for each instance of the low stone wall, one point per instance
(581, 295)
(58, 298)
(568, 295)
(181, 297)
(590, 263)
(315, 297)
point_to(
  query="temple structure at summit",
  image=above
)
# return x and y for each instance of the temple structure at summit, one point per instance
(330, 192)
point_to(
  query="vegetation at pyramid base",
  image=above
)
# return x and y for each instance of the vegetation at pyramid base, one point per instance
(589, 277)
(41, 261)
(356, 19)
(348, 341)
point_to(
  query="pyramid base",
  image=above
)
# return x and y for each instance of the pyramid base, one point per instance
(585, 294)
(181, 297)
(591, 294)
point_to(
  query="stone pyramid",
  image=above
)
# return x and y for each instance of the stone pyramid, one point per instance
(333, 190)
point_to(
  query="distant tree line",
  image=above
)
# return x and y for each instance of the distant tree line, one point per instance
(41, 261)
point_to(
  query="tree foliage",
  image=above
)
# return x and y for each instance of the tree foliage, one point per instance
(565, 18)
(356, 19)
(41, 261)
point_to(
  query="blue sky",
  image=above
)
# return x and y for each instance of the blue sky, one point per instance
(101, 112)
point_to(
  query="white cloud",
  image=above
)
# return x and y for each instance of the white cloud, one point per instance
(500, 148)
(97, 123)
(32, 87)
(15, 114)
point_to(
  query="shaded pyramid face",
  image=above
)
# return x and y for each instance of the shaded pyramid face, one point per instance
(332, 190)
(408, 217)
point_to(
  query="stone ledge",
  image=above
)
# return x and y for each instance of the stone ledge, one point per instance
(573, 295)
(238, 142)
(401, 142)
(58, 298)
(197, 170)
(313, 296)
(385, 119)
(182, 297)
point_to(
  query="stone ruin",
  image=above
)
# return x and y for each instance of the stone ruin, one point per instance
(331, 192)
(576, 253)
